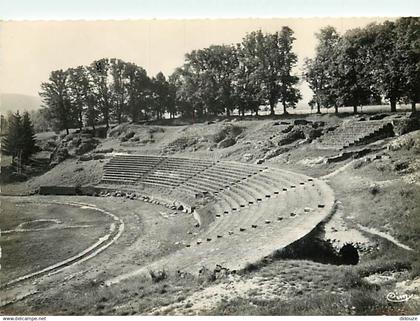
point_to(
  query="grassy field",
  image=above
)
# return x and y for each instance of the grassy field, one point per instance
(41, 242)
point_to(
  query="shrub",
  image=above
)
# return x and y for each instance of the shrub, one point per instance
(158, 275)
(350, 279)
(227, 142)
(368, 302)
(156, 130)
(229, 131)
(359, 164)
(250, 267)
(374, 189)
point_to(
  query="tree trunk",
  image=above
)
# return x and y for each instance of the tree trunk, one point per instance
(336, 109)
(318, 108)
(393, 102)
(272, 105)
(67, 131)
(413, 106)
(80, 121)
(355, 109)
(227, 112)
(284, 108)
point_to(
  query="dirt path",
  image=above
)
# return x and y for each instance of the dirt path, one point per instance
(338, 231)
(384, 235)
(338, 170)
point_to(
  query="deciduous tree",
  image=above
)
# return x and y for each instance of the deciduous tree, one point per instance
(319, 71)
(55, 96)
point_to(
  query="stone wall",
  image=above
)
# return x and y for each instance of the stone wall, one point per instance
(57, 190)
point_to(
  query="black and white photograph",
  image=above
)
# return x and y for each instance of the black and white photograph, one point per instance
(212, 167)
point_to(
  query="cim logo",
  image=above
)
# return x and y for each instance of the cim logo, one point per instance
(396, 297)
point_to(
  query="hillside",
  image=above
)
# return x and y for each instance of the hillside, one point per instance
(14, 102)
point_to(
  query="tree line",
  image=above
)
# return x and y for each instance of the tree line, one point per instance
(361, 67)
(108, 89)
(365, 65)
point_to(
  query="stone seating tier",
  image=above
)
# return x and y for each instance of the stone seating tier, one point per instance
(351, 134)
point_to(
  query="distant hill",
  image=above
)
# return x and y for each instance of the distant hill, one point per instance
(19, 102)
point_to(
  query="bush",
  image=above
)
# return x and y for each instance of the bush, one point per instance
(118, 130)
(250, 267)
(50, 145)
(350, 279)
(380, 266)
(374, 189)
(101, 132)
(156, 130)
(104, 151)
(404, 126)
(158, 276)
(359, 164)
(368, 302)
(98, 156)
(230, 131)
(292, 136)
(227, 142)
(86, 146)
(59, 155)
(129, 135)
(85, 158)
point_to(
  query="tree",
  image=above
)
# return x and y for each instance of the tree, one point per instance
(352, 81)
(189, 98)
(40, 120)
(90, 98)
(269, 59)
(172, 106)
(388, 63)
(247, 88)
(221, 65)
(207, 77)
(138, 90)
(102, 91)
(319, 71)
(12, 143)
(182, 104)
(3, 125)
(253, 67)
(28, 137)
(20, 138)
(289, 94)
(78, 92)
(118, 88)
(408, 44)
(160, 94)
(56, 98)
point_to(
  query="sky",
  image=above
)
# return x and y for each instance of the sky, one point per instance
(30, 50)
(134, 9)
